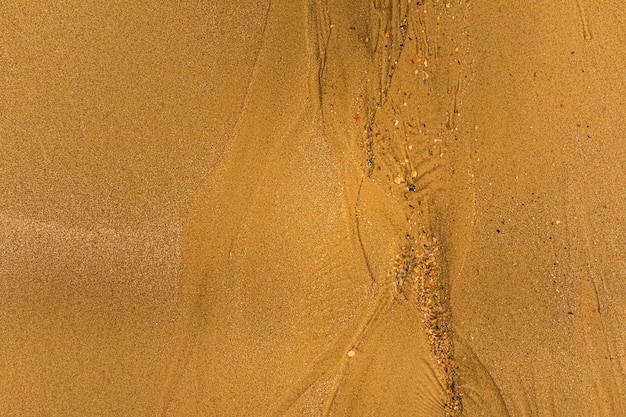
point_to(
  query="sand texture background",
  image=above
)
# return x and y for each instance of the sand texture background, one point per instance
(313, 208)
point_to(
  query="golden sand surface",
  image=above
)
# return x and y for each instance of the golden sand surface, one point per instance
(313, 208)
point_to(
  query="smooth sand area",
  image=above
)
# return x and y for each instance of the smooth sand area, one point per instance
(313, 208)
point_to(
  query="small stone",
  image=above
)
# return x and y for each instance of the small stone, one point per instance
(399, 179)
(351, 354)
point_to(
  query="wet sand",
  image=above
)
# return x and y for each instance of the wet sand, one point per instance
(325, 208)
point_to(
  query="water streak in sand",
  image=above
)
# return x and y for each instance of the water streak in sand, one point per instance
(402, 171)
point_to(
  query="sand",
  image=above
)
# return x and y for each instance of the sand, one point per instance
(321, 208)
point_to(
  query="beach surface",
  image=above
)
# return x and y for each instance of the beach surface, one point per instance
(313, 208)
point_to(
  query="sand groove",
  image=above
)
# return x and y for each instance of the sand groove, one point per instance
(404, 157)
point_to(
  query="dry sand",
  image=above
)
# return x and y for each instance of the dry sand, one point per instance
(313, 208)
